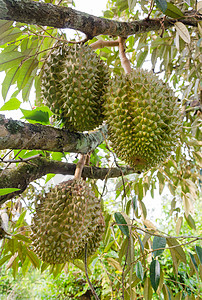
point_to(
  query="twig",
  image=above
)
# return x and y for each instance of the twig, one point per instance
(87, 277)
(123, 271)
(79, 167)
(20, 159)
(56, 38)
(17, 154)
(117, 165)
(183, 284)
(165, 235)
(7, 154)
(101, 44)
(150, 9)
(124, 60)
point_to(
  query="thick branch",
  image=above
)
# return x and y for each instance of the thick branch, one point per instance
(46, 14)
(19, 135)
(20, 176)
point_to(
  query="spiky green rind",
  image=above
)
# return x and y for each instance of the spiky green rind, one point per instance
(74, 81)
(143, 118)
(67, 218)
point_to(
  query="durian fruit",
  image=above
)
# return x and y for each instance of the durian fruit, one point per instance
(68, 217)
(143, 119)
(73, 83)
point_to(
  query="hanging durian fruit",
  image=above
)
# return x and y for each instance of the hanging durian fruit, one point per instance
(73, 83)
(67, 218)
(143, 119)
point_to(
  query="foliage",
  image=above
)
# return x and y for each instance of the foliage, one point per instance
(138, 257)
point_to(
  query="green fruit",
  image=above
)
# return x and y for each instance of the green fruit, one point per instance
(73, 83)
(143, 119)
(67, 218)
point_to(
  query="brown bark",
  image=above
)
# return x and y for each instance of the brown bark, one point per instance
(46, 14)
(20, 176)
(19, 135)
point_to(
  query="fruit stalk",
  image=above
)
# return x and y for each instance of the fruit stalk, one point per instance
(124, 60)
(79, 167)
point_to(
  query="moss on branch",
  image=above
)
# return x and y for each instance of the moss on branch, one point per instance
(19, 135)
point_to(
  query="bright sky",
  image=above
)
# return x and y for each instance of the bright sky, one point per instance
(91, 6)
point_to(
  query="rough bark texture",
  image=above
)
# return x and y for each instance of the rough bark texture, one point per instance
(40, 13)
(20, 176)
(19, 135)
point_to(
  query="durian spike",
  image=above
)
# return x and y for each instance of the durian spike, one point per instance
(124, 60)
(79, 167)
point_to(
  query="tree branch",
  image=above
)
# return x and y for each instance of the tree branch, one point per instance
(21, 175)
(46, 14)
(18, 135)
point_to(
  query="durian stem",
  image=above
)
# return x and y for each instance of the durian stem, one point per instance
(124, 60)
(101, 44)
(79, 167)
(87, 277)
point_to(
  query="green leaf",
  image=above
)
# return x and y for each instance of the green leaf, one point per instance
(57, 156)
(8, 191)
(193, 260)
(143, 208)
(162, 5)
(158, 242)
(155, 271)
(198, 157)
(21, 219)
(179, 225)
(4, 259)
(4, 25)
(141, 58)
(176, 247)
(25, 266)
(9, 59)
(183, 32)
(49, 177)
(33, 258)
(190, 221)
(25, 72)
(120, 220)
(22, 238)
(10, 78)
(114, 263)
(141, 244)
(199, 253)
(27, 89)
(139, 270)
(57, 269)
(173, 11)
(79, 264)
(161, 179)
(10, 35)
(31, 153)
(37, 84)
(108, 14)
(148, 293)
(135, 204)
(131, 4)
(166, 292)
(38, 115)
(44, 266)
(140, 190)
(11, 104)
